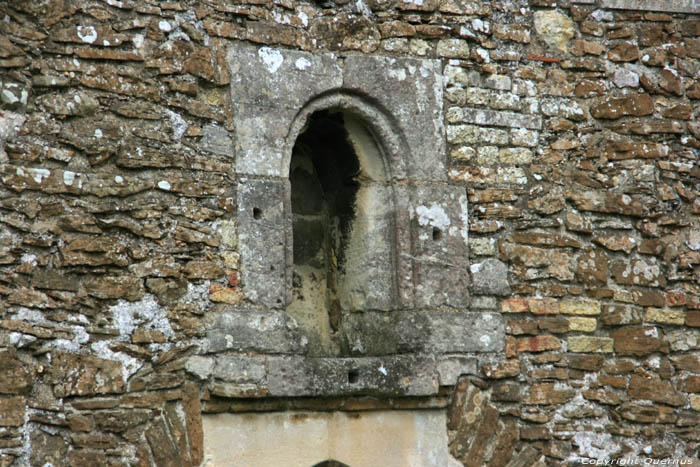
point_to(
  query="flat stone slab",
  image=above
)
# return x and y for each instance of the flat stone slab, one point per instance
(406, 375)
(253, 330)
(380, 333)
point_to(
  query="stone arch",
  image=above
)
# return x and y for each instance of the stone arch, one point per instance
(379, 125)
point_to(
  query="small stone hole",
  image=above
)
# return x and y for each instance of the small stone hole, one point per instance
(437, 234)
(257, 213)
(353, 376)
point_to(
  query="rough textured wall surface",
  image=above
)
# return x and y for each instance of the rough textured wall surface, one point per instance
(572, 126)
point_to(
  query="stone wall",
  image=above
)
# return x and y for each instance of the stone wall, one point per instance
(572, 126)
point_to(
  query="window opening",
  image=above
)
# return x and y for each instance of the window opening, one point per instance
(342, 210)
(323, 175)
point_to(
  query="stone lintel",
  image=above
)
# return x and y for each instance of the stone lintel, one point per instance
(404, 375)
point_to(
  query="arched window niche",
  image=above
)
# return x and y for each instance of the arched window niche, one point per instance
(343, 206)
(350, 233)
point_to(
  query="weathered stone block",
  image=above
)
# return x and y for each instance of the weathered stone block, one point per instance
(554, 28)
(695, 402)
(579, 307)
(162, 446)
(247, 330)
(239, 369)
(665, 315)
(403, 375)
(450, 368)
(555, 325)
(545, 394)
(539, 343)
(639, 341)
(590, 344)
(582, 324)
(118, 421)
(106, 287)
(654, 389)
(381, 333)
(502, 119)
(12, 411)
(46, 448)
(505, 369)
(264, 233)
(16, 376)
(585, 362)
(647, 414)
(543, 306)
(686, 362)
(439, 230)
(514, 305)
(602, 396)
(221, 294)
(453, 48)
(638, 272)
(83, 375)
(490, 278)
(638, 106)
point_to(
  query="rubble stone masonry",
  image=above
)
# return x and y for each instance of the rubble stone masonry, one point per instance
(572, 127)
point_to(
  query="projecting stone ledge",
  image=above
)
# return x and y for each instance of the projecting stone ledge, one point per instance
(363, 334)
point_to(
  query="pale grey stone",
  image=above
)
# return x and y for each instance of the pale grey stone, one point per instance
(254, 330)
(451, 367)
(239, 369)
(439, 227)
(411, 90)
(264, 236)
(10, 124)
(269, 86)
(217, 140)
(490, 278)
(482, 302)
(199, 366)
(377, 333)
(406, 375)
(625, 78)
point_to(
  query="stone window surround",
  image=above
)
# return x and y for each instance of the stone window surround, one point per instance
(274, 92)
